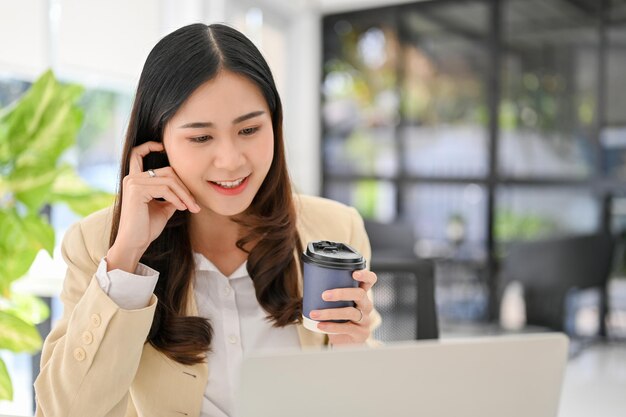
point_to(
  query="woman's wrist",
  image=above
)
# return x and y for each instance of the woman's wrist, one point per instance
(123, 259)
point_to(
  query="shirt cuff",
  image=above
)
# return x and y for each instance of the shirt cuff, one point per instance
(128, 291)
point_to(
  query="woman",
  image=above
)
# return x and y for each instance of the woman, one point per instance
(197, 264)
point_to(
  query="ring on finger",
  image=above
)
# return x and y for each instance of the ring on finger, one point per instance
(152, 173)
(360, 318)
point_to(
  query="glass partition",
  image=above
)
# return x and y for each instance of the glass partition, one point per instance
(548, 105)
(443, 101)
(360, 99)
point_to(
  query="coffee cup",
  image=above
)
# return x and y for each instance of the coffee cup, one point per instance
(327, 265)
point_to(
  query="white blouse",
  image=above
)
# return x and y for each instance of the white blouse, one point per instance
(239, 323)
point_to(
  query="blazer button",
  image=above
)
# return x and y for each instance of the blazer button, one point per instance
(95, 320)
(79, 354)
(87, 337)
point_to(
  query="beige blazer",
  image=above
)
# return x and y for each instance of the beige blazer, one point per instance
(95, 362)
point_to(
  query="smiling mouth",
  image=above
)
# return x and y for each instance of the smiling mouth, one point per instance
(230, 184)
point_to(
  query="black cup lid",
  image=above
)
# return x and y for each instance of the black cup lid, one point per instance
(333, 255)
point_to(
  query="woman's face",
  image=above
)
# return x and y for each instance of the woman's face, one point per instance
(221, 143)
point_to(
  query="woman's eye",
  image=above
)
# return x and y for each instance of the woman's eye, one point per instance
(200, 139)
(249, 131)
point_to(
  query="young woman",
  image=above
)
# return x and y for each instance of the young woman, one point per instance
(197, 263)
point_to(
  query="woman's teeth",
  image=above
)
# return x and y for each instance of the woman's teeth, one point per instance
(229, 184)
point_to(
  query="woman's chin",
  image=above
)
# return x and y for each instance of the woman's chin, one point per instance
(224, 210)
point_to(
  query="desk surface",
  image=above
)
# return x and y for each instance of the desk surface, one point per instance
(595, 382)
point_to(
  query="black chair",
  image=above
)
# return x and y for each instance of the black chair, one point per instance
(405, 292)
(551, 269)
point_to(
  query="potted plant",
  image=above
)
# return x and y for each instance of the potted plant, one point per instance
(34, 133)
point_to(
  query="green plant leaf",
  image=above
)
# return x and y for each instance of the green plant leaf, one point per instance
(72, 190)
(5, 149)
(89, 204)
(18, 335)
(24, 113)
(17, 249)
(56, 134)
(21, 238)
(33, 135)
(14, 267)
(6, 387)
(41, 123)
(40, 233)
(28, 307)
(32, 185)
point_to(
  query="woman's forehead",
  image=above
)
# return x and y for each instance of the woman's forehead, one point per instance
(228, 92)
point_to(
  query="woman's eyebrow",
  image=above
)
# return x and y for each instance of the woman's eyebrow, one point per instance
(199, 125)
(248, 116)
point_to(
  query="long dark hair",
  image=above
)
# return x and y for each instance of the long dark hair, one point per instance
(176, 66)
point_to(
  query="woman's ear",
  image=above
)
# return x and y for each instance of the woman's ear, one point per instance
(155, 160)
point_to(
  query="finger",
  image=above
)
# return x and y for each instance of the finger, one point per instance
(139, 152)
(346, 313)
(176, 185)
(358, 295)
(355, 331)
(164, 192)
(366, 278)
(339, 339)
(179, 186)
(168, 209)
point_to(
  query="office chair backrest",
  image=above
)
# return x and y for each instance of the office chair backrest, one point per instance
(390, 238)
(405, 292)
(549, 268)
(582, 261)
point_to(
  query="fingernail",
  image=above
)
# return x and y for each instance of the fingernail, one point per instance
(357, 274)
(315, 314)
(327, 295)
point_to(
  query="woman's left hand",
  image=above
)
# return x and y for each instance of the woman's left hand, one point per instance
(357, 329)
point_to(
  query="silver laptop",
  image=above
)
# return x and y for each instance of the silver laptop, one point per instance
(513, 376)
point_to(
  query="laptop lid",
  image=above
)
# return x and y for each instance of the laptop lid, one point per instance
(513, 376)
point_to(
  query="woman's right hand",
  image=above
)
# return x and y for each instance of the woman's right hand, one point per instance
(143, 217)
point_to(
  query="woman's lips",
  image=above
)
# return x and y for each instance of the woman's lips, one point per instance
(230, 191)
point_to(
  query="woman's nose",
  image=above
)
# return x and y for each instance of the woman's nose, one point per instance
(227, 155)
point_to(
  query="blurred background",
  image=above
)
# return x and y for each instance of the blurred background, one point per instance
(484, 142)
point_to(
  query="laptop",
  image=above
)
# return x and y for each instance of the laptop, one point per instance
(513, 376)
